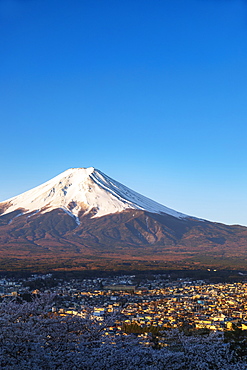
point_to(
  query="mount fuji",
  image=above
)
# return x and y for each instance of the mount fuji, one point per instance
(82, 190)
(84, 219)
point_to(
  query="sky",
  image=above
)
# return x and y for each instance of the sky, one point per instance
(151, 92)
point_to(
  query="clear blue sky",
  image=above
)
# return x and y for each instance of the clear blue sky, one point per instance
(151, 92)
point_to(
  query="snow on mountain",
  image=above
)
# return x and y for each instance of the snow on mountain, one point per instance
(83, 189)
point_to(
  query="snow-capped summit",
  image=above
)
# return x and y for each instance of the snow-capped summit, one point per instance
(83, 219)
(83, 189)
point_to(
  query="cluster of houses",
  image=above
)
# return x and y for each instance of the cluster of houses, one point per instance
(157, 303)
(211, 306)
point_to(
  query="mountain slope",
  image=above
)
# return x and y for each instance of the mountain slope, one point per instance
(82, 217)
(81, 190)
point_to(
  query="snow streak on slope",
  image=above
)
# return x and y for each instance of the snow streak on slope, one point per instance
(84, 189)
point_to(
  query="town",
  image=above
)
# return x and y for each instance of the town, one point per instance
(141, 304)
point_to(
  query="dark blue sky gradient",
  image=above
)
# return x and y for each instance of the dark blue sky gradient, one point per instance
(153, 93)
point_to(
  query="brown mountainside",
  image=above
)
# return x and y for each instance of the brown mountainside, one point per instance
(82, 218)
(132, 236)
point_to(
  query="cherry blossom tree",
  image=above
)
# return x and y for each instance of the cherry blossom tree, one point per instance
(33, 337)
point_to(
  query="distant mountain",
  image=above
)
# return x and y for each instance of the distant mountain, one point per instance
(80, 191)
(83, 218)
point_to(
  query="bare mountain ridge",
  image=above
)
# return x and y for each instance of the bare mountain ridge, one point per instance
(83, 214)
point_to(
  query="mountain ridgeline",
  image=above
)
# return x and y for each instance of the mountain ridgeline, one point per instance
(83, 219)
